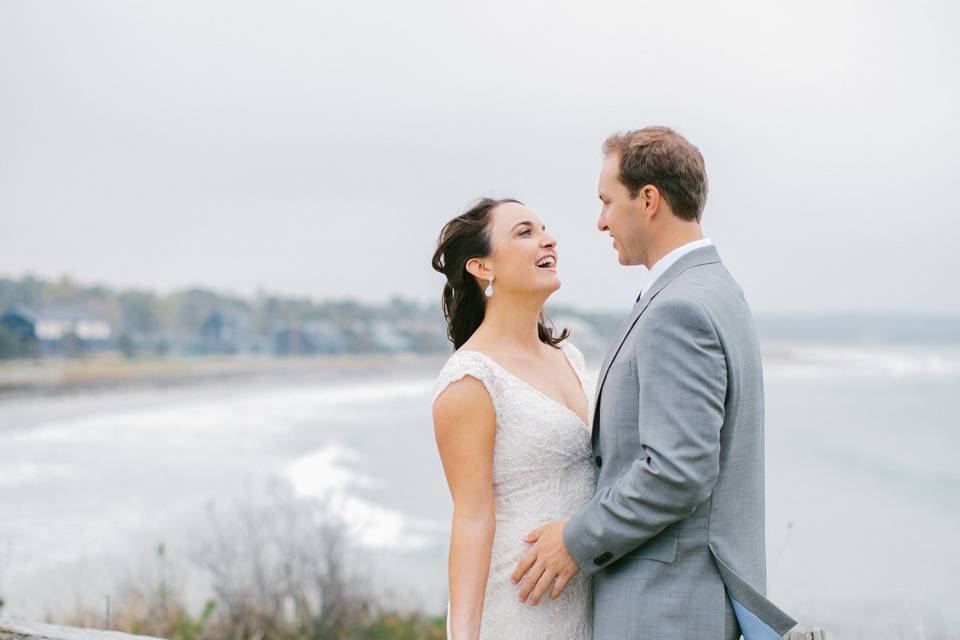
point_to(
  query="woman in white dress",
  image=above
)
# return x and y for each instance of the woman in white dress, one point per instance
(511, 416)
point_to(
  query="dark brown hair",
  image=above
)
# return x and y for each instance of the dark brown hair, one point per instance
(662, 157)
(464, 303)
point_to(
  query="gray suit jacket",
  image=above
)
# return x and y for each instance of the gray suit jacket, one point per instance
(675, 534)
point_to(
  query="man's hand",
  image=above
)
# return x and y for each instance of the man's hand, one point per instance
(545, 561)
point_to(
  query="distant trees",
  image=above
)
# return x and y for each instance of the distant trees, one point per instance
(140, 311)
(199, 321)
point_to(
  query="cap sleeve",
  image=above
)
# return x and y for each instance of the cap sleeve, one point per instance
(468, 363)
(576, 358)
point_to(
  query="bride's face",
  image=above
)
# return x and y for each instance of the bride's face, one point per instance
(519, 242)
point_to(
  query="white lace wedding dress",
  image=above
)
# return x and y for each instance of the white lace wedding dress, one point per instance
(542, 470)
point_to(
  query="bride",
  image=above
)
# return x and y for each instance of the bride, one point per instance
(512, 424)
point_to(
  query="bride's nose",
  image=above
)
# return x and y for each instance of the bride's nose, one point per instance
(548, 241)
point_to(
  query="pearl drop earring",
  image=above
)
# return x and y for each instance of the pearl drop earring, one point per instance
(489, 289)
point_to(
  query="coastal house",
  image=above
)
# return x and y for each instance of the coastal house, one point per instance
(18, 337)
(226, 331)
(309, 338)
(54, 323)
(388, 337)
(67, 330)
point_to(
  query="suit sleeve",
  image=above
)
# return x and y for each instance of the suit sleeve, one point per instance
(682, 377)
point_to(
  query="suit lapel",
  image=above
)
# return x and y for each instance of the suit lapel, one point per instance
(625, 329)
(697, 257)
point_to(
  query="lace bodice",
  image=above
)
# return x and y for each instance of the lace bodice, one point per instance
(542, 470)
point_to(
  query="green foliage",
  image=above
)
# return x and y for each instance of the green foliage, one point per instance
(189, 628)
(28, 290)
(394, 626)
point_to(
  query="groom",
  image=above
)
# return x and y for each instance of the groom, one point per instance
(674, 536)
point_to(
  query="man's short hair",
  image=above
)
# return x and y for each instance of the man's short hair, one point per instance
(662, 157)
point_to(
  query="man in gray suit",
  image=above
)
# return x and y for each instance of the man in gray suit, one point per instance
(674, 537)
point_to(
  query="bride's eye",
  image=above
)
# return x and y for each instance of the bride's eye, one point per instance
(527, 231)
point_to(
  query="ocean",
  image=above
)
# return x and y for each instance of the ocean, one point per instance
(863, 485)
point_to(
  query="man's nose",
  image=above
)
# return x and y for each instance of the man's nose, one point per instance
(601, 224)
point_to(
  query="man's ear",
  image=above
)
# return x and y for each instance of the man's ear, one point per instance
(650, 200)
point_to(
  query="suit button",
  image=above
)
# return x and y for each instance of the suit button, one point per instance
(599, 461)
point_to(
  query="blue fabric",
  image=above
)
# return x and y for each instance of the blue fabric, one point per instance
(752, 627)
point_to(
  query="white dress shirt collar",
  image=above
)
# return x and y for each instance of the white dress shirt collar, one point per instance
(667, 261)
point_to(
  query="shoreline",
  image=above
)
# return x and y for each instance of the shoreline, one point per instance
(32, 378)
(114, 372)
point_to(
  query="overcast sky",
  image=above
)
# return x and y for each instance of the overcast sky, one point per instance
(317, 148)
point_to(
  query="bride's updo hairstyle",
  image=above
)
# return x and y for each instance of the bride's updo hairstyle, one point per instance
(464, 303)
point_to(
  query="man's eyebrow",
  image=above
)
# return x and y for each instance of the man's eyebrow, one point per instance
(528, 223)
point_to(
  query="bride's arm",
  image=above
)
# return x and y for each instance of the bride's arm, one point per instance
(465, 428)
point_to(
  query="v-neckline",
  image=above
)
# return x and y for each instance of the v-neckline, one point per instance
(538, 391)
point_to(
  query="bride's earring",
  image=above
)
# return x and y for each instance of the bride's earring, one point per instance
(489, 289)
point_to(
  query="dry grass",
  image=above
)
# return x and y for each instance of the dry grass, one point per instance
(113, 370)
(278, 569)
